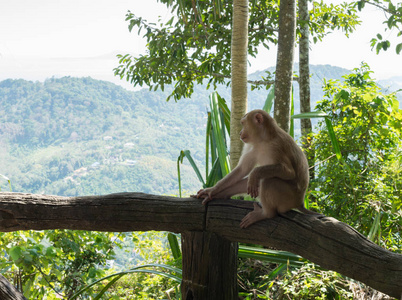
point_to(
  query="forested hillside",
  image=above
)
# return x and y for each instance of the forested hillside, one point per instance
(80, 136)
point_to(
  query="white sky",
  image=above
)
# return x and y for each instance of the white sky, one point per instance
(44, 38)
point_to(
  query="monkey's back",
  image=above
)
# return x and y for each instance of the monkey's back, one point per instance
(297, 159)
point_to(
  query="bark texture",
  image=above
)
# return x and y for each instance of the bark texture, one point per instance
(239, 76)
(284, 63)
(209, 267)
(8, 291)
(323, 240)
(304, 79)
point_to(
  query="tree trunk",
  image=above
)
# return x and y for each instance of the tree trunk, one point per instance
(239, 76)
(304, 81)
(209, 267)
(284, 63)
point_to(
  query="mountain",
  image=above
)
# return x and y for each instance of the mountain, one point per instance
(393, 84)
(80, 136)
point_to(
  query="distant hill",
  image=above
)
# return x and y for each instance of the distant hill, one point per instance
(80, 136)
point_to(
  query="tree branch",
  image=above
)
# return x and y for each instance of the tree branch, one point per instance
(392, 12)
(8, 291)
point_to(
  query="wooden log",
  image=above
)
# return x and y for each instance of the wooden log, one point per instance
(323, 240)
(114, 212)
(8, 291)
(209, 267)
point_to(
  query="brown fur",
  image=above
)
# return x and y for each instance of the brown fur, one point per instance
(272, 166)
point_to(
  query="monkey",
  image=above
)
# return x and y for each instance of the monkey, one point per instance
(272, 167)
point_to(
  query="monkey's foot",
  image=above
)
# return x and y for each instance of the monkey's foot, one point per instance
(253, 217)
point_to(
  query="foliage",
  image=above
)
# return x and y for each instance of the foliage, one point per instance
(259, 279)
(393, 14)
(141, 250)
(60, 263)
(326, 17)
(310, 283)
(216, 150)
(148, 269)
(197, 41)
(254, 277)
(357, 187)
(262, 280)
(54, 262)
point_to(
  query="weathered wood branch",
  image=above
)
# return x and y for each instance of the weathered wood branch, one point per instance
(323, 240)
(8, 291)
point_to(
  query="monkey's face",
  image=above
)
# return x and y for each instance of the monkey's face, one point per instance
(254, 127)
(243, 135)
(246, 132)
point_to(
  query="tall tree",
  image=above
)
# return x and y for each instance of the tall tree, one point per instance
(304, 76)
(239, 47)
(284, 63)
(195, 44)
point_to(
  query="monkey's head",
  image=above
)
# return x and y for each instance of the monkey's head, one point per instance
(256, 126)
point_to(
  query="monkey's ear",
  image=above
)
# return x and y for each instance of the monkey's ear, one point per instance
(259, 118)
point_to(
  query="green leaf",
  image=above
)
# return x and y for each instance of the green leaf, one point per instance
(208, 139)
(292, 110)
(215, 174)
(310, 115)
(334, 141)
(186, 153)
(273, 256)
(270, 100)
(375, 228)
(219, 134)
(192, 163)
(226, 112)
(277, 271)
(16, 253)
(27, 288)
(106, 287)
(8, 180)
(398, 48)
(174, 245)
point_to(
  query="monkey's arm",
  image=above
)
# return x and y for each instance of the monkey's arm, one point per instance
(224, 187)
(280, 170)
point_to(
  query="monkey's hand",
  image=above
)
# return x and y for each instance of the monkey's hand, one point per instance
(205, 194)
(253, 184)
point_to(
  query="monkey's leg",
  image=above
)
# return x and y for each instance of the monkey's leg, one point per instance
(258, 214)
(277, 196)
(237, 188)
(286, 196)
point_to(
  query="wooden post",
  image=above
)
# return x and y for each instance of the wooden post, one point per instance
(209, 267)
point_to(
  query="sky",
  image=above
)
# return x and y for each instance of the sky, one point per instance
(44, 38)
